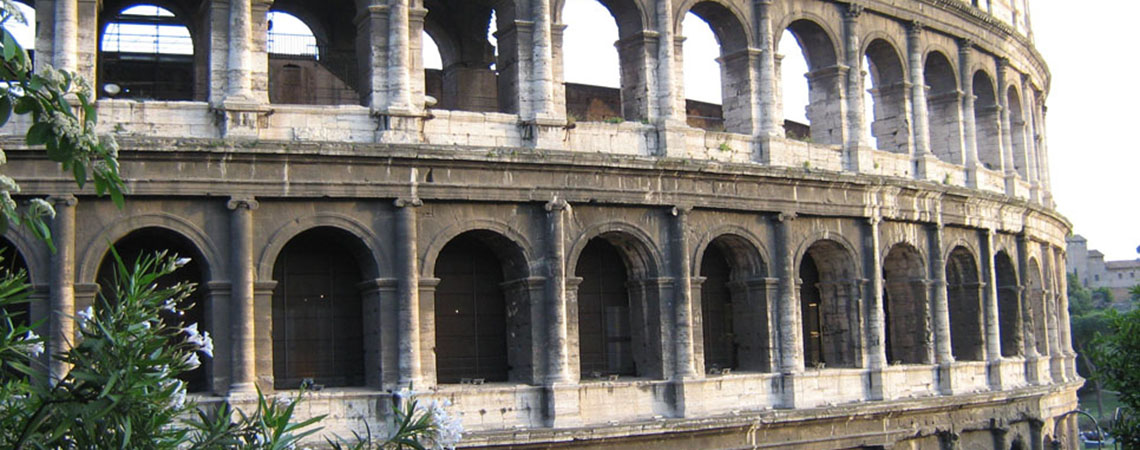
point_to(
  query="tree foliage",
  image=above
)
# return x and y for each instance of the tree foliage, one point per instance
(1117, 356)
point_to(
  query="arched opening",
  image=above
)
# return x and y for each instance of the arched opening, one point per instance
(317, 311)
(735, 319)
(478, 52)
(889, 124)
(1009, 305)
(597, 89)
(1017, 134)
(147, 52)
(706, 20)
(943, 102)
(605, 335)
(475, 336)
(829, 299)
(906, 307)
(823, 96)
(1035, 298)
(312, 54)
(987, 121)
(12, 263)
(145, 243)
(965, 303)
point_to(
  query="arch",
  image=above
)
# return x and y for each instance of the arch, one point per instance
(317, 310)
(943, 104)
(824, 80)
(1017, 130)
(890, 126)
(476, 76)
(35, 255)
(963, 295)
(987, 120)
(368, 254)
(148, 49)
(327, 75)
(641, 257)
(906, 306)
(472, 328)
(735, 311)
(1035, 300)
(144, 242)
(607, 341)
(734, 61)
(215, 265)
(1009, 305)
(746, 249)
(830, 305)
(600, 64)
(512, 248)
(12, 263)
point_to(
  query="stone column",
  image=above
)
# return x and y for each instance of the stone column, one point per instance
(557, 365)
(992, 333)
(1006, 128)
(876, 336)
(242, 329)
(408, 291)
(541, 79)
(766, 71)
(921, 119)
(969, 126)
(239, 60)
(854, 62)
(670, 107)
(1027, 307)
(376, 23)
(61, 294)
(940, 308)
(1065, 330)
(399, 58)
(66, 35)
(1029, 105)
(683, 296)
(791, 341)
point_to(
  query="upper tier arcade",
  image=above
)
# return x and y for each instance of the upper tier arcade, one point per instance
(958, 90)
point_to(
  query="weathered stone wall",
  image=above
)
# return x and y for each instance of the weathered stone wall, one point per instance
(903, 238)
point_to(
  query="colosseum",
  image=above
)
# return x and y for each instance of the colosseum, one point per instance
(580, 266)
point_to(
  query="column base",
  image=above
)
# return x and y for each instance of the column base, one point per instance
(560, 406)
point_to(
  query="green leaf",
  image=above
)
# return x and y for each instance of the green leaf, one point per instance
(10, 46)
(39, 133)
(5, 109)
(80, 173)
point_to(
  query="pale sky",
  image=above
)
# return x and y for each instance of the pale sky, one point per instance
(1094, 172)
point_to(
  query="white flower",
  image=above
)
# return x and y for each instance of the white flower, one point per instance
(207, 345)
(32, 349)
(178, 397)
(41, 207)
(448, 428)
(85, 316)
(8, 184)
(181, 262)
(192, 362)
(168, 305)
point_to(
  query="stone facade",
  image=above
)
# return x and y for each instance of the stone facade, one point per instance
(899, 289)
(1094, 272)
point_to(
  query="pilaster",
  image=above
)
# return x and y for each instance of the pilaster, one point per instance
(242, 327)
(407, 292)
(921, 119)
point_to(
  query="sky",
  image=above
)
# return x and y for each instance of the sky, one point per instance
(1091, 97)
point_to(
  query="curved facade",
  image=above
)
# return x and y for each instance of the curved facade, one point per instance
(654, 278)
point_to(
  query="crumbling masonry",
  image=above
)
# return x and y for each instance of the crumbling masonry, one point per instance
(622, 283)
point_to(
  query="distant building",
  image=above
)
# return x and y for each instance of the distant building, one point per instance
(1094, 272)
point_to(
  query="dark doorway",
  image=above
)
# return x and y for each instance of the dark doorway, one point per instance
(604, 333)
(717, 311)
(470, 313)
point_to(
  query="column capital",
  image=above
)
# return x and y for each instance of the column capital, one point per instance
(965, 44)
(681, 210)
(875, 220)
(914, 28)
(63, 200)
(786, 216)
(556, 204)
(403, 202)
(853, 10)
(243, 202)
